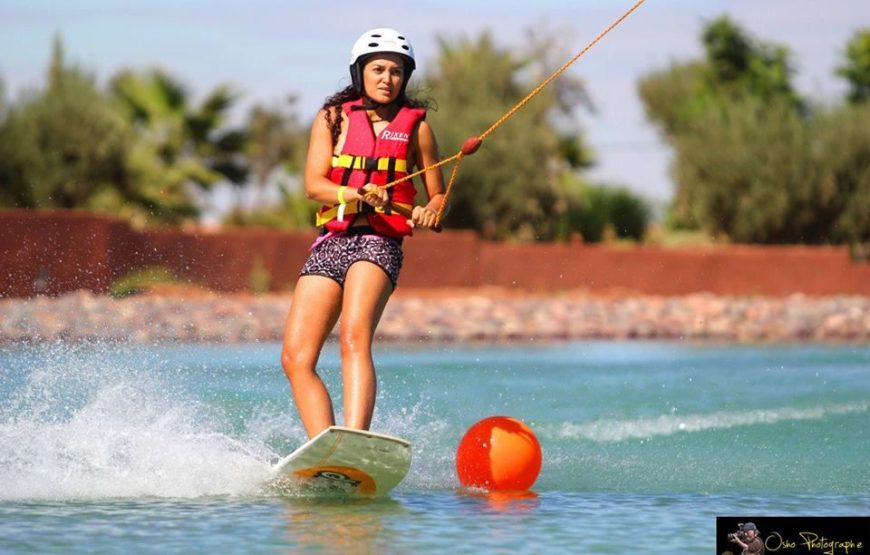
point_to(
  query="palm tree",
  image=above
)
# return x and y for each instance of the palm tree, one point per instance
(178, 145)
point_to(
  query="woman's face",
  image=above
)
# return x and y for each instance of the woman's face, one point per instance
(383, 76)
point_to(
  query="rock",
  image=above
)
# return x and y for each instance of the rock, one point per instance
(459, 316)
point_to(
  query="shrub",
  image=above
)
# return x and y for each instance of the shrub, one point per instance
(140, 280)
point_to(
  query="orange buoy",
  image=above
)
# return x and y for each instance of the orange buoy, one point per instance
(499, 453)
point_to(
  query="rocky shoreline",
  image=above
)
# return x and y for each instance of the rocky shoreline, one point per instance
(444, 316)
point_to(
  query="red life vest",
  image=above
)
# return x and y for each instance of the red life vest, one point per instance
(366, 159)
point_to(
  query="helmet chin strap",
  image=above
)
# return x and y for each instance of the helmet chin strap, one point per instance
(370, 104)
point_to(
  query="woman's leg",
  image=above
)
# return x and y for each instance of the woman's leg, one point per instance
(366, 292)
(315, 309)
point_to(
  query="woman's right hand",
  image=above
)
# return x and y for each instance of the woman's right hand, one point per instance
(373, 195)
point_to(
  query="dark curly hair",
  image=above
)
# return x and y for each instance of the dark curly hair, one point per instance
(332, 107)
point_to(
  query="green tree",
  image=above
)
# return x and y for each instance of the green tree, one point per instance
(856, 68)
(755, 182)
(135, 152)
(511, 186)
(738, 64)
(177, 145)
(844, 147)
(704, 108)
(275, 140)
(752, 163)
(735, 65)
(64, 147)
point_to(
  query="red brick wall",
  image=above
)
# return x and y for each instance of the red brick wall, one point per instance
(223, 261)
(78, 250)
(70, 248)
(732, 270)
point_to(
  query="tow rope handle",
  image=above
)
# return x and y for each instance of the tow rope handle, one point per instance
(407, 212)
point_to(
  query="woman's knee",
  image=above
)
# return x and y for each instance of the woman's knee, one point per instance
(355, 340)
(297, 361)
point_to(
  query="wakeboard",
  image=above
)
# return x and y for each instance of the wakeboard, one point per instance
(345, 462)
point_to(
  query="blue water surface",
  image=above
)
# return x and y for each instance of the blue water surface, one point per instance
(118, 448)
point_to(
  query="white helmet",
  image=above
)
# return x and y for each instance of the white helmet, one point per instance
(378, 41)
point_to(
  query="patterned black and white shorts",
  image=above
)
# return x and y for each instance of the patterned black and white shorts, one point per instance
(333, 256)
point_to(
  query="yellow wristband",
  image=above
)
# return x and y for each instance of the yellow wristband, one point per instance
(341, 195)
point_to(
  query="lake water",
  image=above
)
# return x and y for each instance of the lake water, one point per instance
(108, 448)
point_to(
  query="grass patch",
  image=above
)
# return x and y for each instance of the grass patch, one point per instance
(140, 281)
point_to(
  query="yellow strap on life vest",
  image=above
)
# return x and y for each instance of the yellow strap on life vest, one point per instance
(359, 163)
(350, 208)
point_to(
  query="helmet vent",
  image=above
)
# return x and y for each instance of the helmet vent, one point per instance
(373, 44)
(405, 46)
(376, 36)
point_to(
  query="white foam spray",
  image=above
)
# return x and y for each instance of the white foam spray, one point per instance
(665, 425)
(84, 427)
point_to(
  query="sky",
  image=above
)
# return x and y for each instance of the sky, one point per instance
(269, 49)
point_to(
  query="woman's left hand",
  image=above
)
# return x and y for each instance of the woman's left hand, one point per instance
(422, 217)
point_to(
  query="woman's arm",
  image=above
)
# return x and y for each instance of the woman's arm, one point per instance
(318, 164)
(425, 154)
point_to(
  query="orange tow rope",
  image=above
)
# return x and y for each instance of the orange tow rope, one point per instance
(471, 144)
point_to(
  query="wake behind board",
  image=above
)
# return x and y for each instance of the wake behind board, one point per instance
(346, 462)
